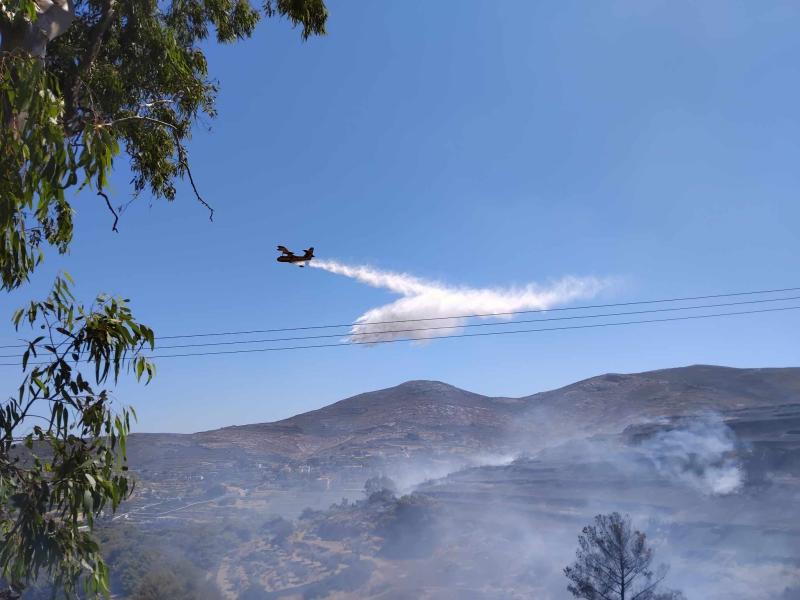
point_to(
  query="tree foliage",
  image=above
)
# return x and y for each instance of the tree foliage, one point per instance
(177, 581)
(613, 562)
(81, 83)
(117, 75)
(409, 528)
(380, 483)
(68, 466)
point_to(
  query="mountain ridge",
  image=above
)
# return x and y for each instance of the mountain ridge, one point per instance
(425, 385)
(422, 383)
(435, 418)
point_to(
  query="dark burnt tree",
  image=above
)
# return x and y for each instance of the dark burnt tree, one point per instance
(614, 562)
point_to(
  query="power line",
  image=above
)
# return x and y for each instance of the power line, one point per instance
(467, 325)
(482, 315)
(471, 325)
(470, 316)
(467, 335)
(486, 333)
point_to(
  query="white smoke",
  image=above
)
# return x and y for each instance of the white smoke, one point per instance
(410, 474)
(702, 454)
(423, 299)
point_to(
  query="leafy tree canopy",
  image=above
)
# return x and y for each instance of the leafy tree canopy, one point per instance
(67, 467)
(81, 82)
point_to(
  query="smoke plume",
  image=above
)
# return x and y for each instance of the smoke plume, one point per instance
(421, 299)
(702, 455)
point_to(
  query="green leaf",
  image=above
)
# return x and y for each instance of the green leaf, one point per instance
(139, 368)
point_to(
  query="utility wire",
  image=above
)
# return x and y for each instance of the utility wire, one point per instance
(467, 325)
(486, 333)
(470, 316)
(481, 315)
(465, 335)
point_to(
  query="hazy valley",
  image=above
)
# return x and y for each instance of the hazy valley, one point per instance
(485, 496)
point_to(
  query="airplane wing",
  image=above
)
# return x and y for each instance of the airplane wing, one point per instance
(285, 250)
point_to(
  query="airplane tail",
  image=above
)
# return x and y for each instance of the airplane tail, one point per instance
(309, 253)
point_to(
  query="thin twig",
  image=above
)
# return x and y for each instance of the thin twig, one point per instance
(182, 160)
(157, 101)
(111, 208)
(185, 164)
(138, 118)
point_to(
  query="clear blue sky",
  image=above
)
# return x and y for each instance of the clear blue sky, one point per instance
(477, 143)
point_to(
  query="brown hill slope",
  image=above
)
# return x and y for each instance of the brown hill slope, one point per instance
(420, 414)
(430, 416)
(608, 403)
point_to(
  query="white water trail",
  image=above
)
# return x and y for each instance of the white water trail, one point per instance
(423, 299)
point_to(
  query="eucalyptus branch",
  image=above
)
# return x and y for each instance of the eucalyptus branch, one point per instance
(136, 118)
(111, 208)
(61, 129)
(35, 397)
(95, 41)
(185, 163)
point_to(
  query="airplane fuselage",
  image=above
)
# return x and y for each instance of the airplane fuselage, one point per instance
(287, 256)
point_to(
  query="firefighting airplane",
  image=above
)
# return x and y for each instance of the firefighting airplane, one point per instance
(287, 256)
